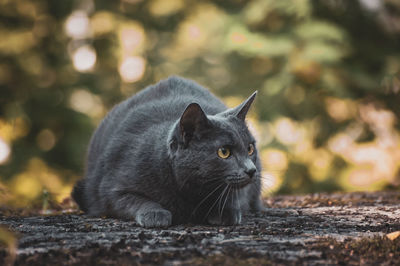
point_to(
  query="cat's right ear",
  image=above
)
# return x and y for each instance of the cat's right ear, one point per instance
(192, 121)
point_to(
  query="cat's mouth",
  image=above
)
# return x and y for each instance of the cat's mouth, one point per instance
(237, 182)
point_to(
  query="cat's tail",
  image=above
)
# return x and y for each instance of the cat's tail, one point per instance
(78, 194)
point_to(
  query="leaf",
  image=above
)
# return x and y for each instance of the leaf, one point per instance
(392, 236)
(256, 11)
(322, 52)
(320, 31)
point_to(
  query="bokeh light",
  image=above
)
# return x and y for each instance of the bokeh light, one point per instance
(132, 68)
(5, 151)
(132, 37)
(81, 100)
(84, 58)
(287, 131)
(77, 25)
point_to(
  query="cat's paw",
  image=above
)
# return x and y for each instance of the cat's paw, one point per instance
(154, 218)
(237, 217)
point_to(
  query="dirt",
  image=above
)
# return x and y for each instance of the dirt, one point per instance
(315, 229)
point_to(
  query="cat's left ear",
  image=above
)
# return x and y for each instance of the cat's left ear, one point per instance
(192, 121)
(241, 110)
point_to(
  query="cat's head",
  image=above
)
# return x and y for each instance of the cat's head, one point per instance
(214, 150)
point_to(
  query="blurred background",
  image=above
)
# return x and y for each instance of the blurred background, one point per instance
(327, 73)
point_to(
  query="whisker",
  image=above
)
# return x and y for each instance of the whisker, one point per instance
(213, 179)
(208, 213)
(205, 198)
(233, 196)
(220, 201)
(227, 195)
(266, 190)
(211, 183)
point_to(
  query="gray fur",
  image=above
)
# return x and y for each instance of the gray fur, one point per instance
(154, 159)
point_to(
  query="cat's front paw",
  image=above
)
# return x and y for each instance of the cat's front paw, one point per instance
(237, 217)
(154, 218)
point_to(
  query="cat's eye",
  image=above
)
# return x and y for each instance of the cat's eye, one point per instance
(224, 152)
(250, 149)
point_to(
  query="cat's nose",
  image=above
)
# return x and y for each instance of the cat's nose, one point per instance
(250, 168)
(250, 172)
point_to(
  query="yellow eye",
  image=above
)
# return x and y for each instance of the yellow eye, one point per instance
(250, 149)
(224, 152)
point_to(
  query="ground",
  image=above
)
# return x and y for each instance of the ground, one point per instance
(314, 229)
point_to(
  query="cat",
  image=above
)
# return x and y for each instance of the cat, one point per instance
(172, 154)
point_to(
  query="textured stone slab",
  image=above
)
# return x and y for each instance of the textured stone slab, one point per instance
(312, 229)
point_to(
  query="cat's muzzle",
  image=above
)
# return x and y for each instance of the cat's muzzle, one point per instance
(237, 181)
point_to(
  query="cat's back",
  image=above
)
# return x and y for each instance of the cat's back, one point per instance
(163, 102)
(157, 105)
(168, 99)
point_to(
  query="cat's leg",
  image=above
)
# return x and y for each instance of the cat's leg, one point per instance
(256, 205)
(230, 213)
(255, 202)
(229, 217)
(147, 213)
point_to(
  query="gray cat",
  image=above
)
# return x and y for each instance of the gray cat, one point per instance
(173, 153)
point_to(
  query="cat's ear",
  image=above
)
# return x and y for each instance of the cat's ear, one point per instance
(192, 120)
(241, 110)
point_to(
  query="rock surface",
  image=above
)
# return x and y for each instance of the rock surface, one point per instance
(313, 229)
